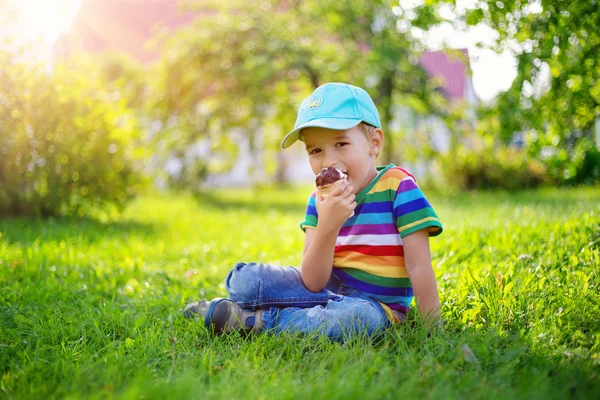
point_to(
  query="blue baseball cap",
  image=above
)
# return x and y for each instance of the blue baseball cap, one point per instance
(336, 106)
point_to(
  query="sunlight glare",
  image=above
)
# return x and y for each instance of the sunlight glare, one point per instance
(43, 19)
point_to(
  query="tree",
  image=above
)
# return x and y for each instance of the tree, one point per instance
(385, 60)
(67, 140)
(246, 66)
(555, 97)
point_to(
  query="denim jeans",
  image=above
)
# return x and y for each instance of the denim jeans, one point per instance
(337, 311)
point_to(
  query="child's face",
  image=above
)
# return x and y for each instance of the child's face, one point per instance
(349, 151)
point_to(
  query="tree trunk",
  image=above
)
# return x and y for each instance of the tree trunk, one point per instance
(282, 164)
(385, 110)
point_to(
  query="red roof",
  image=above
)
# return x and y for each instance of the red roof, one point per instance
(120, 25)
(452, 68)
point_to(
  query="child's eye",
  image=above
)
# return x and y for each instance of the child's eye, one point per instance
(315, 151)
(341, 144)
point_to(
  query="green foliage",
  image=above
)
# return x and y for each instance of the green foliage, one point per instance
(93, 308)
(498, 167)
(578, 163)
(482, 161)
(556, 93)
(242, 68)
(587, 171)
(66, 141)
(124, 76)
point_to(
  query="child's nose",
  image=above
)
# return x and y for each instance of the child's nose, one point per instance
(330, 161)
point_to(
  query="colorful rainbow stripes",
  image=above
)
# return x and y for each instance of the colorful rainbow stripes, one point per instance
(369, 255)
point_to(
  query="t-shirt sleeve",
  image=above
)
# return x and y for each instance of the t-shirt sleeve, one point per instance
(412, 210)
(311, 217)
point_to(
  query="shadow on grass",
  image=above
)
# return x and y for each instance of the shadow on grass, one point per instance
(253, 201)
(512, 363)
(585, 197)
(28, 230)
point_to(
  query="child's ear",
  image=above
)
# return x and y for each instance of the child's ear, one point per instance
(376, 141)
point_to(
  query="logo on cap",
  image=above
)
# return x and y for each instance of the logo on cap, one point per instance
(315, 104)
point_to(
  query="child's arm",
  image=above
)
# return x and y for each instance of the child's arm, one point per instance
(420, 272)
(319, 244)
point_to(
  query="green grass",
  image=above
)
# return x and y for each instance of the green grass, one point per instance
(92, 308)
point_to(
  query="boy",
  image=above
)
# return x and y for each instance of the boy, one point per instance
(366, 249)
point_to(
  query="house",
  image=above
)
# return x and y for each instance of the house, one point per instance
(457, 86)
(127, 26)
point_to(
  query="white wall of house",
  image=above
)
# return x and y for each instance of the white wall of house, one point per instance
(298, 169)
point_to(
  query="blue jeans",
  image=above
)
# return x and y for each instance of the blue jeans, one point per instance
(337, 311)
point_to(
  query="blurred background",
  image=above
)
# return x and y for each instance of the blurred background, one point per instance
(101, 100)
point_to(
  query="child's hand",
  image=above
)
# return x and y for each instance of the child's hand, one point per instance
(336, 207)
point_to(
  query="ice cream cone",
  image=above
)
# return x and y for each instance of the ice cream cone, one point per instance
(324, 191)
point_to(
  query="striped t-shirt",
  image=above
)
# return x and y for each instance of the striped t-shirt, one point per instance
(369, 254)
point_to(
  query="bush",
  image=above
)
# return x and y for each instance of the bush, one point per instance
(487, 167)
(579, 166)
(587, 171)
(66, 141)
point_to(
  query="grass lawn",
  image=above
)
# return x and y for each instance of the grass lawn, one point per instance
(92, 308)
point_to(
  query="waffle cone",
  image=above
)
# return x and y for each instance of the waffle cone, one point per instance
(326, 190)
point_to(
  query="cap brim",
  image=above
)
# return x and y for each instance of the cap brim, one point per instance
(338, 124)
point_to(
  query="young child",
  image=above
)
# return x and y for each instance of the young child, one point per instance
(366, 251)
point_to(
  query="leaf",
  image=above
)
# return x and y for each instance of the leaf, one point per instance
(475, 17)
